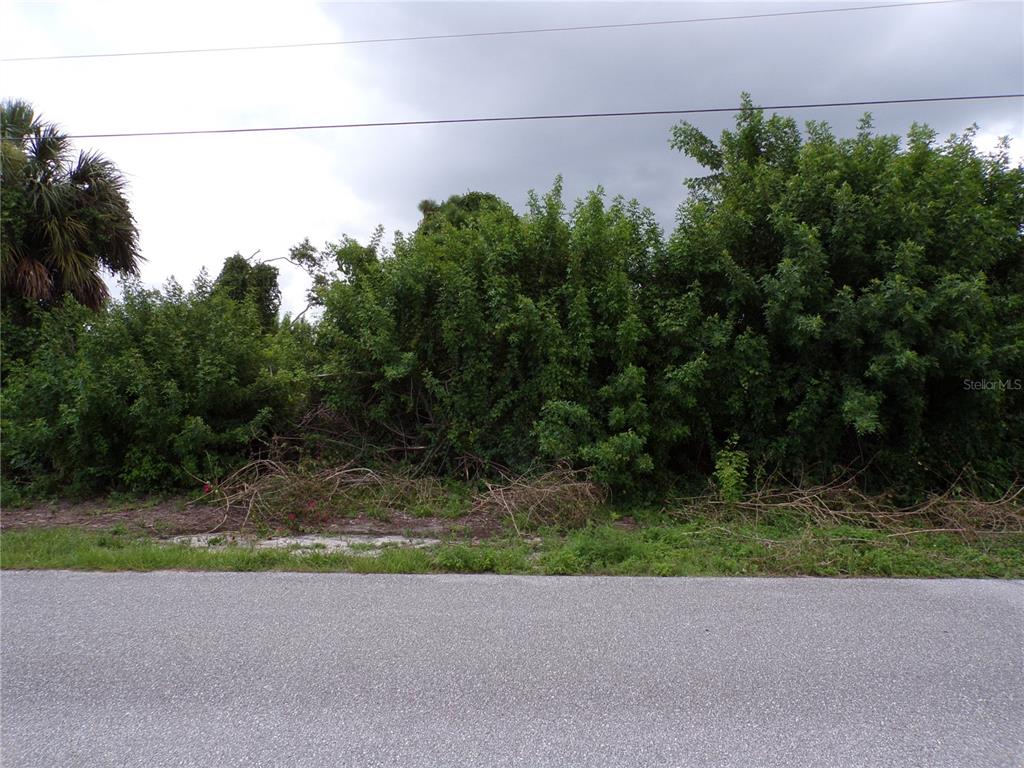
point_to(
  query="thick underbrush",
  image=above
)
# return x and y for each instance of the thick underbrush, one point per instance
(840, 315)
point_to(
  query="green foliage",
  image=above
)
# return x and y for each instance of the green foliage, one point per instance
(731, 471)
(831, 300)
(256, 283)
(465, 558)
(497, 336)
(457, 211)
(64, 219)
(161, 389)
(826, 303)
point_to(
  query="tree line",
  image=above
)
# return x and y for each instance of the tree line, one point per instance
(825, 307)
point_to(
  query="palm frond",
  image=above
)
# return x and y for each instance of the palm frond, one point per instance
(48, 199)
(65, 253)
(49, 150)
(33, 279)
(18, 121)
(12, 161)
(102, 189)
(91, 292)
(72, 214)
(96, 171)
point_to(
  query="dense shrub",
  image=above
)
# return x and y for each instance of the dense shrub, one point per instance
(831, 302)
(256, 283)
(823, 305)
(158, 390)
(500, 337)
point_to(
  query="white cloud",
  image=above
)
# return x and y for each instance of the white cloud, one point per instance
(199, 199)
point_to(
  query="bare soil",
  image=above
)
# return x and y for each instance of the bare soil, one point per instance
(175, 517)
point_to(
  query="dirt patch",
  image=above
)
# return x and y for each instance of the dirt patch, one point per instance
(177, 517)
(269, 497)
(163, 518)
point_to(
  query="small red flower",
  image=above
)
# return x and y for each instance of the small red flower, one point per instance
(207, 487)
(311, 504)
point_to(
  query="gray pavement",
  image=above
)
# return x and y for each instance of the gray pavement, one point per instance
(187, 669)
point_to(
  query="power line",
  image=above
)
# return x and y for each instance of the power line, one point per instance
(513, 118)
(481, 34)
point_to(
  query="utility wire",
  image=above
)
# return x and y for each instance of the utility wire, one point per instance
(572, 116)
(481, 34)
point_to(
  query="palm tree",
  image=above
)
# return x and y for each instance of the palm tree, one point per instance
(63, 219)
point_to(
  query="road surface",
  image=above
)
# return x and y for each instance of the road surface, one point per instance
(189, 669)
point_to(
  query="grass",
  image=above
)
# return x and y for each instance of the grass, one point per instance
(782, 545)
(700, 548)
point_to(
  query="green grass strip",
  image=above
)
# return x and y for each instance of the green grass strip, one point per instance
(697, 548)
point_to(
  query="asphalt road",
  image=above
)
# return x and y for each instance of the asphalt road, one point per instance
(184, 669)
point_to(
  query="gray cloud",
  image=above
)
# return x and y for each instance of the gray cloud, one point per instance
(268, 191)
(895, 53)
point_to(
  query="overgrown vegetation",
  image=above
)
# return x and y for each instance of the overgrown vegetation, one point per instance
(846, 302)
(162, 389)
(826, 308)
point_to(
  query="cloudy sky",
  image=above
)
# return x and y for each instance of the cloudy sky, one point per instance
(198, 199)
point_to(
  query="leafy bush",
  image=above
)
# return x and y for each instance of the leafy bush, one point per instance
(731, 471)
(158, 390)
(825, 303)
(496, 336)
(831, 301)
(256, 283)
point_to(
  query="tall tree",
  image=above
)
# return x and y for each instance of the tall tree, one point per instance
(457, 211)
(64, 218)
(242, 281)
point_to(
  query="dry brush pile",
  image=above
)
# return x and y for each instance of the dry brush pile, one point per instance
(273, 494)
(277, 494)
(842, 502)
